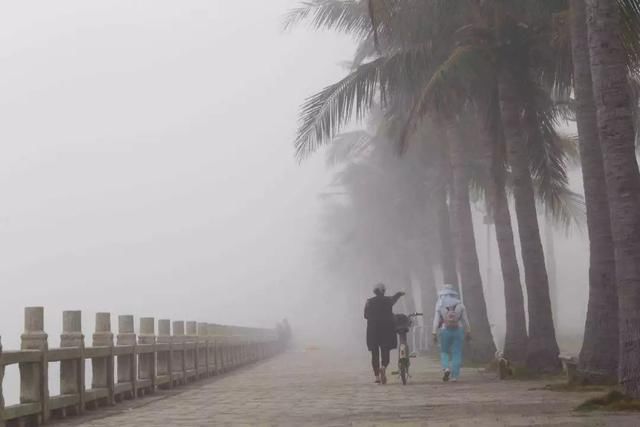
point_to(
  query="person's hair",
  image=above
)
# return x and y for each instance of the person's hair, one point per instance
(379, 289)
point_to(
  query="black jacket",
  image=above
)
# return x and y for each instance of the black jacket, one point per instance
(381, 330)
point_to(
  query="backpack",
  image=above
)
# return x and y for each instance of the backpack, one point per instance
(451, 319)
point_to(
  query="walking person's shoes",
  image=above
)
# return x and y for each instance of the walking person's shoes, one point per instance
(383, 375)
(454, 379)
(446, 375)
(377, 379)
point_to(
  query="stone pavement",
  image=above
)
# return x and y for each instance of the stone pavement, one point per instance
(323, 388)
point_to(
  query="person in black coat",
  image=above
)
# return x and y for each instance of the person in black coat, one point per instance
(381, 330)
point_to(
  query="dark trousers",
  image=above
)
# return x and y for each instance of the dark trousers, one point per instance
(375, 358)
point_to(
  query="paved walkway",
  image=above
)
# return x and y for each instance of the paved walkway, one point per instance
(319, 388)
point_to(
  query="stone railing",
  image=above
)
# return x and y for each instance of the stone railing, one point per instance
(133, 367)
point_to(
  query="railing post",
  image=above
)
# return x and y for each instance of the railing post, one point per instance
(102, 367)
(219, 348)
(34, 377)
(241, 343)
(72, 371)
(221, 352)
(147, 361)
(191, 361)
(165, 366)
(177, 343)
(2, 423)
(203, 351)
(236, 340)
(228, 337)
(127, 372)
(212, 349)
(226, 348)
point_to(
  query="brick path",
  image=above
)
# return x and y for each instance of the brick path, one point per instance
(322, 388)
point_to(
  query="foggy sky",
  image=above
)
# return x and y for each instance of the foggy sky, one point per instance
(146, 159)
(146, 166)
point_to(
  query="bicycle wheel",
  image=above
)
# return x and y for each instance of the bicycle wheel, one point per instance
(404, 372)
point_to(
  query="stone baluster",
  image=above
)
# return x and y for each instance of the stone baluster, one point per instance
(235, 332)
(203, 350)
(237, 336)
(177, 342)
(226, 348)
(254, 346)
(2, 423)
(127, 362)
(191, 356)
(219, 348)
(147, 361)
(102, 367)
(165, 366)
(34, 377)
(241, 343)
(250, 344)
(228, 337)
(246, 346)
(221, 344)
(72, 371)
(212, 346)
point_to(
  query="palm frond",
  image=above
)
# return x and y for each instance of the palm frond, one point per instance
(458, 79)
(324, 114)
(348, 146)
(634, 84)
(569, 146)
(630, 14)
(345, 16)
(549, 156)
(564, 206)
(366, 49)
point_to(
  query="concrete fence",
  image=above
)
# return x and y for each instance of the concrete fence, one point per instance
(133, 367)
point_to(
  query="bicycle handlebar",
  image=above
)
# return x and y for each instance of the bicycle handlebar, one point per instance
(415, 314)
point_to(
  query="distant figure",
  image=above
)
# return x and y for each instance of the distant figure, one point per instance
(450, 326)
(381, 331)
(283, 330)
(287, 331)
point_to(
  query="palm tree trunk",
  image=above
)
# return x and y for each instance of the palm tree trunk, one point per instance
(542, 348)
(429, 298)
(515, 343)
(447, 256)
(516, 339)
(443, 213)
(482, 348)
(410, 297)
(549, 247)
(599, 354)
(611, 92)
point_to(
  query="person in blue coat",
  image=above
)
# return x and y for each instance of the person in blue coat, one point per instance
(450, 327)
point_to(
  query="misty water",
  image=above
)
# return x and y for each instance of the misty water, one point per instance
(147, 169)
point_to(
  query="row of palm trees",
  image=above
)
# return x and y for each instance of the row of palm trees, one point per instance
(490, 81)
(375, 223)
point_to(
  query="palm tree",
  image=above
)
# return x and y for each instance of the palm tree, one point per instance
(515, 343)
(498, 45)
(443, 214)
(407, 62)
(609, 68)
(483, 347)
(601, 329)
(542, 349)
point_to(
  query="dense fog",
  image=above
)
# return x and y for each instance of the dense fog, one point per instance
(147, 168)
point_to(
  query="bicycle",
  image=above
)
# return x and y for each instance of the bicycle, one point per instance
(403, 326)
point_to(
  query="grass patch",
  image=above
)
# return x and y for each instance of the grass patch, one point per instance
(522, 373)
(573, 388)
(491, 366)
(612, 401)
